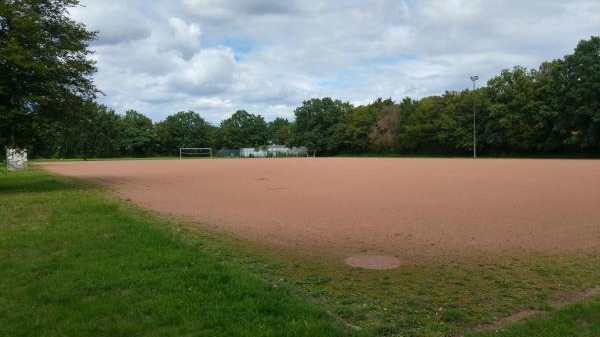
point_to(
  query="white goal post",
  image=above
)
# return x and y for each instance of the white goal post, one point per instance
(195, 151)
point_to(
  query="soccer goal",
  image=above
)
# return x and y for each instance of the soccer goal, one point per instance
(195, 152)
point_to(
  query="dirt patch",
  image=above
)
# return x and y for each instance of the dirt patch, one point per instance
(412, 208)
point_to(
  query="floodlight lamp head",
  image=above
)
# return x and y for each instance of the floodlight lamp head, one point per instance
(474, 78)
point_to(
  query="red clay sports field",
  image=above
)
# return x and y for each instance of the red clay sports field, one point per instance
(340, 207)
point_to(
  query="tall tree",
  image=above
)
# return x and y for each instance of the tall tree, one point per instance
(440, 125)
(279, 131)
(96, 134)
(351, 135)
(315, 123)
(100, 131)
(139, 138)
(243, 129)
(44, 67)
(419, 131)
(550, 135)
(513, 110)
(577, 87)
(184, 129)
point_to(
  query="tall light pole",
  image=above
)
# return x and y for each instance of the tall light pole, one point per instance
(474, 79)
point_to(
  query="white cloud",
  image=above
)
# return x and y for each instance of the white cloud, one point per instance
(207, 72)
(227, 9)
(186, 36)
(267, 56)
(116, 22)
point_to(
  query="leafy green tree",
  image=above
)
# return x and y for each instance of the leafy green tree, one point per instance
(576, 89)
(100, 132)
(243, 129)
(550, 136)
(139, 137)
(315, 123)
(96, 134)
(45, 142)
(279, 131)
(419, 132)
(440, 125)
(406, 110)
(44, 68)
(513, 110)
(184, 129)
(352, 134)
(460, 110)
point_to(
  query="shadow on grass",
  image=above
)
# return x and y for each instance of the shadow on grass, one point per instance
(13, 182)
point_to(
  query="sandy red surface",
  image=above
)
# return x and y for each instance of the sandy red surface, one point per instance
(346, 206)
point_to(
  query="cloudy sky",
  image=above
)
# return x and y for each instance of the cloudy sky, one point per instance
(268, 56)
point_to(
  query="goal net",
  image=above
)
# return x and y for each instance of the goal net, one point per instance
(195, 152)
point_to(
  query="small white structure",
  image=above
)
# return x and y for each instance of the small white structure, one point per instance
(16, 159)
(274, 151)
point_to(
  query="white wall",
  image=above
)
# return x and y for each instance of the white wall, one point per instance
(16, 159)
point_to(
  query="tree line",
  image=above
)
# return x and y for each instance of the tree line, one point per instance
(552, 110)
(47, 105)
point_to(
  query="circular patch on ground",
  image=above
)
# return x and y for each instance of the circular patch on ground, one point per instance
(373, 261)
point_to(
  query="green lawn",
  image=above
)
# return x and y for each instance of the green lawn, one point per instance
(579, 319)
(77, 261)
(451, 297)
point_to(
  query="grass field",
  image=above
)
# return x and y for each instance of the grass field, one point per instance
(77, 261)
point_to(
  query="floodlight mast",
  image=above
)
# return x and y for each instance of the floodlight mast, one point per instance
(474, 79)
